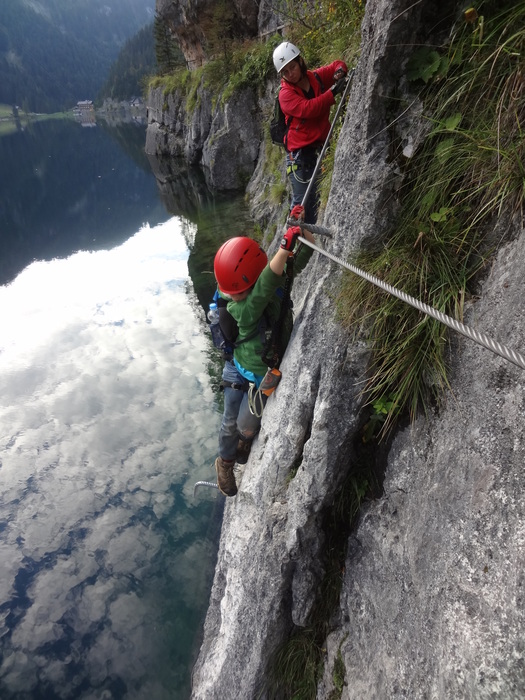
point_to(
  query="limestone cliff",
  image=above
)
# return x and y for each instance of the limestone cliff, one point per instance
(194, 23)
(432, 599)
(224, 141)
(221, 137)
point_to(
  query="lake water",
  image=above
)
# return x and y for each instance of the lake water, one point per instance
(109, 414)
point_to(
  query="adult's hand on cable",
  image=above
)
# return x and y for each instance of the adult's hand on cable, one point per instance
(338, 87)
(297, 212)
(290, 238)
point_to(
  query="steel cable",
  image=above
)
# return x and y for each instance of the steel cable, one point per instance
(480, 338)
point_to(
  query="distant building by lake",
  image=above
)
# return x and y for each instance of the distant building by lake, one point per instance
(85, 113)
(112, 111)
(124, 111)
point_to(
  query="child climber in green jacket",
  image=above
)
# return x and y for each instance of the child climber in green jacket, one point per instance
(251, 286)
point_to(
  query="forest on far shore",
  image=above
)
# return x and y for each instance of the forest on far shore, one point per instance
(57, 52)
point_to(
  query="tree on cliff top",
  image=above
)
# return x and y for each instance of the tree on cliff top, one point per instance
(168, 54)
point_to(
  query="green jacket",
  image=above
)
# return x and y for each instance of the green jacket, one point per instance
(249, 311)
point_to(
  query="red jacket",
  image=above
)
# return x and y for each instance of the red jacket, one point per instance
(308, 120)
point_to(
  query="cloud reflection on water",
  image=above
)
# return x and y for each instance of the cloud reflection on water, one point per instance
(107, 419)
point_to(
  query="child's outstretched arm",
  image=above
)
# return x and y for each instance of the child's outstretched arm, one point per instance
(278, 262)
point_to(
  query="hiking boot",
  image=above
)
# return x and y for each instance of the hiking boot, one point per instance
(225, 478)
(243, 451)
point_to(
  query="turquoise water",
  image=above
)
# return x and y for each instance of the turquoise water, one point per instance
(108, 417)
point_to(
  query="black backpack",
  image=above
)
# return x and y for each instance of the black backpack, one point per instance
(278, 126)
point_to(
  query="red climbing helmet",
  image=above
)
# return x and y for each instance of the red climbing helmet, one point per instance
(238, 264)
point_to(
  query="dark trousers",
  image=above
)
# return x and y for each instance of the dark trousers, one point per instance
(300, 166)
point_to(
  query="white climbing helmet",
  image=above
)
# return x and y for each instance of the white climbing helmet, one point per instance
(283, 54)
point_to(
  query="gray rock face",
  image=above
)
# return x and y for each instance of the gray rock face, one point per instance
(434, 588)
(267, 570)
(432, 601)
(230, 152)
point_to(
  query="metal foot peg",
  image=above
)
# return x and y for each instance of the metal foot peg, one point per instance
(313, 228)
(209, 484)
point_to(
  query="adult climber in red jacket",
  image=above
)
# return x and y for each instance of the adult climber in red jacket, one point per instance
(306, 98)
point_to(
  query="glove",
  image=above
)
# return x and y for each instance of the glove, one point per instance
(290, 238)
(338, 87)
(297, 212)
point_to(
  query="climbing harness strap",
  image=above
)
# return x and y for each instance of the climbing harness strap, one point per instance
(238, 386)
(303, 160)
(479, 338)
(272, 350)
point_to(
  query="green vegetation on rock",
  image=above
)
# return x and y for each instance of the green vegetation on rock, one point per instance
(468, 171)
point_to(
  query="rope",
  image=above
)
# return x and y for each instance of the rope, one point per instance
(476, 336)
(256, 401)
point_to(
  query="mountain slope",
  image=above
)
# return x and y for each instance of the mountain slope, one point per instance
(56, 52)
(135, 61)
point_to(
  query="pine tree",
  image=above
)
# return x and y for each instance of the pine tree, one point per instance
(169, 55)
